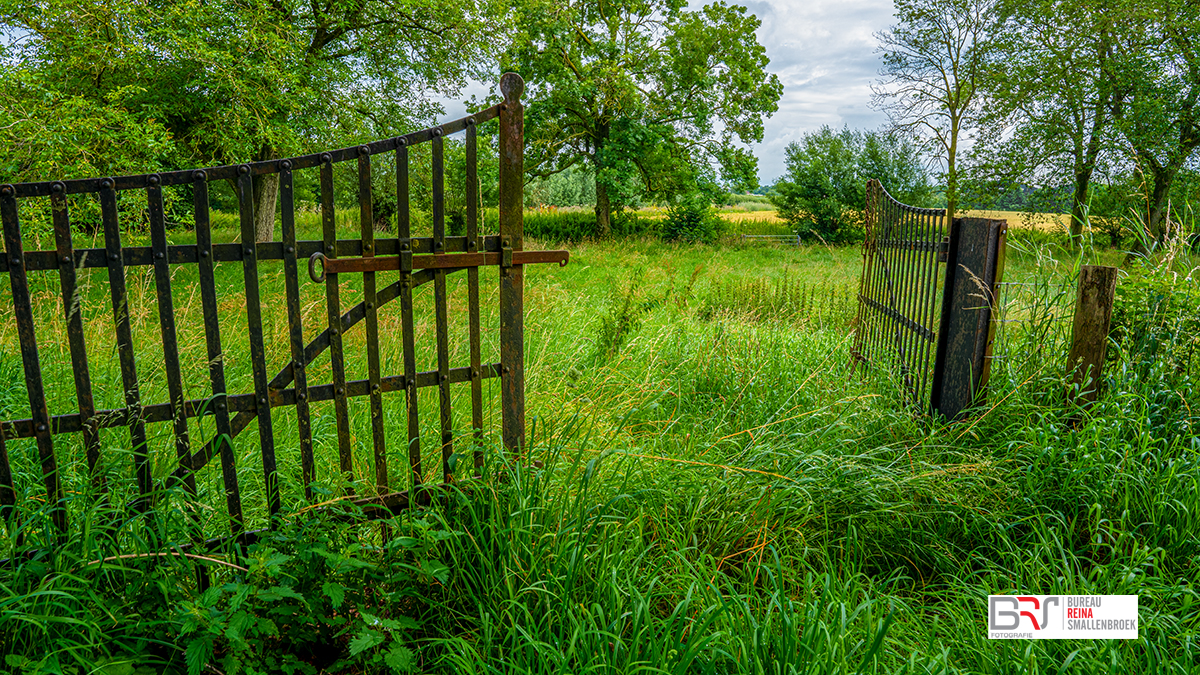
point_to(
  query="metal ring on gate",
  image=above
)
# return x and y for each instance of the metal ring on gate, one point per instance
(312, 267)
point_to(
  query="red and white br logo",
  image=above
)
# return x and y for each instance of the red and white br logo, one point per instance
(1062, 617)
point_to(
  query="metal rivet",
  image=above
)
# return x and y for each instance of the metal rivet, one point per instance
(291, 249)
(504, 106)
(57, 187)
(106, 183)
(506, 369)
(203, 253)
(41, 427)
(66, 258)
(374, 387)
(333, 331)
(326, 157)
(220, 406)
(302, 396)
(404, 246)
(249, 251)
(370, 305)
(262, 401)
(329, 248)
(153, 180)
(471, 121)
(366, 247)
(112, 256)
(364, 150)
(15, 261)
(445, 377)
(6, 191)
(341, 390)
(199, 175)
(158, 255)
(243, 169)
(286, 164)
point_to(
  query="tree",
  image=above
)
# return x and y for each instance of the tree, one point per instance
(933, 66)
(255, 79)
(825, 190)
(1050, 97)
(652, 97)
(1157, 105)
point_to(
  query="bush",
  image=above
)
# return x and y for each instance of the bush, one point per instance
(555, 225)
(824, 193)
(692, 219)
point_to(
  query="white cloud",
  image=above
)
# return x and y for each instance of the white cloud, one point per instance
(824, 54)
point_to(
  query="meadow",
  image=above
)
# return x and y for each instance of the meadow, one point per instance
(709, 487)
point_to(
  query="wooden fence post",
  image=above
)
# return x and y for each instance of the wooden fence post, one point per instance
(512, 287)
(1089, 332)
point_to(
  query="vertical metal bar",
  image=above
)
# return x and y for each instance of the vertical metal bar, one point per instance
(931, 295)
(170, 340)
(73, 309)
(473, 294)
(928, 285)
(920, 238)
(334, 314)
(366, 220)
(440, 302)
(216, 357)
(258, 351)
(908, 281)
(166, 322)
(882, 288)
(291, 282)
(125, 353)
(512, 279)
(8, 492)
(404, 232)
(23, 311)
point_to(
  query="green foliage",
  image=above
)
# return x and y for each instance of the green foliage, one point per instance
(691, 218)
(573, 186)
(824, 192)
(647, 94)
(568, 225)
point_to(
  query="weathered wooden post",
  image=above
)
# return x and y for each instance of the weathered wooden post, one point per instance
(1089, 332)
(974, 267)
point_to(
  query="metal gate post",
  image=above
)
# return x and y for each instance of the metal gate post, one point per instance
(512, 277)
(974, 267)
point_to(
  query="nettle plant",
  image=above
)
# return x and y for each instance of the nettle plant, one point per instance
(321, 596)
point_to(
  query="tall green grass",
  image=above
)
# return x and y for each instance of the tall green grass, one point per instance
(705, 491)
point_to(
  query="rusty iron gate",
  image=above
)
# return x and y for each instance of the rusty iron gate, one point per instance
(418, 261)
(931, 323)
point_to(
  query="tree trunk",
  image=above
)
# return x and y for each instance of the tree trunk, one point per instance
(603, 205)
(603, 210)
(951, 177)
(266, 192)
(1079, 201)
(1158, 203)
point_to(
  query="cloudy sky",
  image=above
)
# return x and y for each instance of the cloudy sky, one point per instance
(824, 54)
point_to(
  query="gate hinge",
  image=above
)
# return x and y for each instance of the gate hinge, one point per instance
(943, 250)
